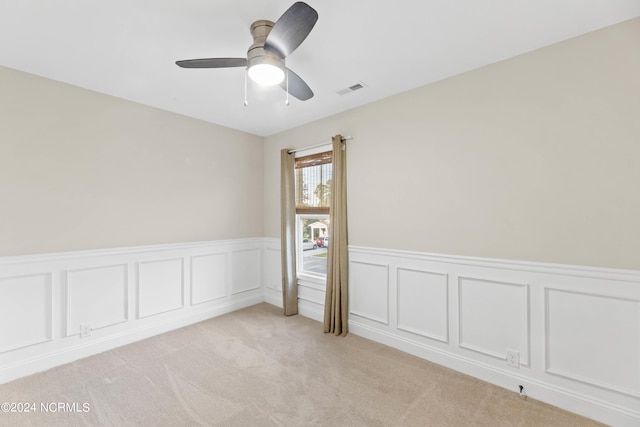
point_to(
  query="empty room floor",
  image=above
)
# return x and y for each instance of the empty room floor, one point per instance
(256, 367)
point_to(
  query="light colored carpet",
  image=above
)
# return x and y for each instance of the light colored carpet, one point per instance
(256, 367)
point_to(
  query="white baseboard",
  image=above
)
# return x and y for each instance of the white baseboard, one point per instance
(575, 328)
(45, 361)
(273, 297)
(311, 312)
(605, 412)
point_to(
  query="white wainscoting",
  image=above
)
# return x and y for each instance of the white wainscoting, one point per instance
(424, 298)
(491, 305)
(311, 290)
(25, 311)
(160, 286)
(208, 277)
(97, 296)
(597, 328)
(119, 296)
(272, 272)
(576, 329)
(247, 269)
(369, 296)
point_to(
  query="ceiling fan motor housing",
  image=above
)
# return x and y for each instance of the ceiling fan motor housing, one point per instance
(272, 43)
(257, 54)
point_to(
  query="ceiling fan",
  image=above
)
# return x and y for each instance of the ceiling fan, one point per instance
(272, 43)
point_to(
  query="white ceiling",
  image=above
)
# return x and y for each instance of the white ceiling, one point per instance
(128, 48)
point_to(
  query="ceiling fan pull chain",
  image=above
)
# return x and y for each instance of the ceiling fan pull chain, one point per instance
(246, 71)
(286, 102)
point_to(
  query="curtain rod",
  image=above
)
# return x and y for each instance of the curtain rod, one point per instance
(344, 138)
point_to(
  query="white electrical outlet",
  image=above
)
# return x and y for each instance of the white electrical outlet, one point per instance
(85, 330)
(513, 358)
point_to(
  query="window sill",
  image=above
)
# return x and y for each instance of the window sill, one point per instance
(314, 280)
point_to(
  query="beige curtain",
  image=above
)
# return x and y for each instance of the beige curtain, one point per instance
(288, 233)
(336, 306)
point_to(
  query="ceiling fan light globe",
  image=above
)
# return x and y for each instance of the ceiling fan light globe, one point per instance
(266, 74)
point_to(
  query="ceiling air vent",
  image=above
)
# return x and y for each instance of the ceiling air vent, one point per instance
(351, 88)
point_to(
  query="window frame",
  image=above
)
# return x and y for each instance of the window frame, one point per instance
(307, 276)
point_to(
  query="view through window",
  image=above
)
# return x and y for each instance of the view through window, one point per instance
(313, 243)
(313, 182)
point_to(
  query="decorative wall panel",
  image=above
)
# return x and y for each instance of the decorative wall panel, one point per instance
(369, 290)
(97, 297)
(272, 269)
(247, 270)
(493, 317)
(160, 286)
(423, 303)
(208, 277)
(594, 338)
(25, 311)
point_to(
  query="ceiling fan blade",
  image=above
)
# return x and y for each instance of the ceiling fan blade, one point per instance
(297, 86)
(291, 29)
(212, 63)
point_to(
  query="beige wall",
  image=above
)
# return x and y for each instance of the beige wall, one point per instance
(535, 158)
(81, 170)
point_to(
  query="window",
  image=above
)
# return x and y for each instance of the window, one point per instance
(312, 238)
(313, 181)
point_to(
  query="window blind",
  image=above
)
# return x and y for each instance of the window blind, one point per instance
(313, 183)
